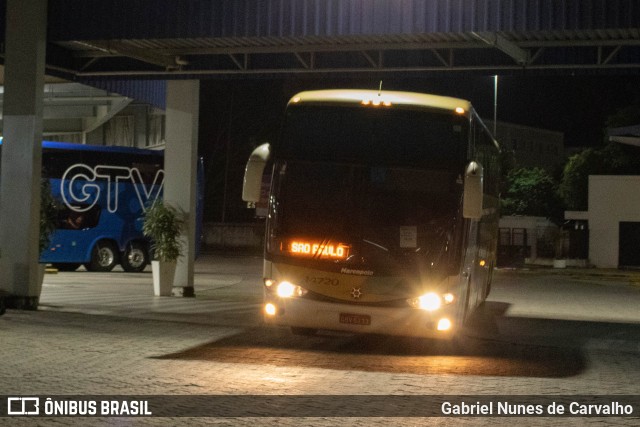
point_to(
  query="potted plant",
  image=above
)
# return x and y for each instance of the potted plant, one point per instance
(48, 215)
(559, 260)
(162, 223)
(48, 221)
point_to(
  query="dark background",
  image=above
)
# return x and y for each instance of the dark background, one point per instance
(237, 115)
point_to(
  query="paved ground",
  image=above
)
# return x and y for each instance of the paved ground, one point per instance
(107, 335)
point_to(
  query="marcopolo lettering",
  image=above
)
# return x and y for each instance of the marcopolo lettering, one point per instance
(356, 272)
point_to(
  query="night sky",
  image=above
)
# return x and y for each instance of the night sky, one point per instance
(578, 106)
(575, 105)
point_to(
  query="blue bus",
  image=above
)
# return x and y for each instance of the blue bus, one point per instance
(101, 193)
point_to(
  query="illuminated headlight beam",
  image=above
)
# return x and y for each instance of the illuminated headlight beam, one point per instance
(429, 302)
(286, 289)
(270, 309)
(444, 324)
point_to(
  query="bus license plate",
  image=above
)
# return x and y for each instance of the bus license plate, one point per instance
(355, 319)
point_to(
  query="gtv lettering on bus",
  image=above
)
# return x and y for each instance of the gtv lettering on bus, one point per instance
(78, 185)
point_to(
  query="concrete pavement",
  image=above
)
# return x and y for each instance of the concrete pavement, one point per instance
(108, 335)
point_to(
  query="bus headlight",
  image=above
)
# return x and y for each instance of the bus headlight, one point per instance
(288, 290)
(431, 301)
(448, 298)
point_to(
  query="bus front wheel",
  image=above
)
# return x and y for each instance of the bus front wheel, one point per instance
(134, 258)
(104, 257)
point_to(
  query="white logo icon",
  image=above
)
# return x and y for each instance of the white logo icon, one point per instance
(23, 406)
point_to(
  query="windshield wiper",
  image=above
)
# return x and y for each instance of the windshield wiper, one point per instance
(376, 245)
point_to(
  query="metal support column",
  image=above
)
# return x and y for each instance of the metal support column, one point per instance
(180, 164)
(20, 171)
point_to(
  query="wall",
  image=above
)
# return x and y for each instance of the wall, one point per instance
(538, 231)
(612, 199)
(240, 236)
(532, 147)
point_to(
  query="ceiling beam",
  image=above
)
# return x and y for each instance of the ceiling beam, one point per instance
(105, 113)
(144, 55)
(537, 55)
(386, 68)
(518, 54)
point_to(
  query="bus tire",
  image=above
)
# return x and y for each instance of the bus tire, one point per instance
(135, 257)
(487, 291)
(104, 257)
(66, 266)
(489, 280)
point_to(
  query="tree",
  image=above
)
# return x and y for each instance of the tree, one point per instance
(575, 178)
(532, 191)
(626, 116)
(612, 159)
(48, 214)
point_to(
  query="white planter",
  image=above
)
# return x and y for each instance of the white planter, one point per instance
(559, 263)
(163, 273)
(42, 268)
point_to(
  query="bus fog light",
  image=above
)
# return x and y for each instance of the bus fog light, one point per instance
(448, 298)
(270, 309)
(444, 324)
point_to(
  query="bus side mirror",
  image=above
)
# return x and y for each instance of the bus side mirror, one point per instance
(473, 189)
(253, 173)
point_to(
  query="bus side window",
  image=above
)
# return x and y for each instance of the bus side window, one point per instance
(488, 156)
(69, 219)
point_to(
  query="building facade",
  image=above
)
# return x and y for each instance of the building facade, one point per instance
(532, 147)
(613, 218)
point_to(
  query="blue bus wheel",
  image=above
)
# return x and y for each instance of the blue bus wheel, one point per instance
(134, 258)
(104, 257)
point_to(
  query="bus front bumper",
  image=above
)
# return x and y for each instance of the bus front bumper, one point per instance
(401, 321)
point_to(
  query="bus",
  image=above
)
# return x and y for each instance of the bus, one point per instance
(382, 215)
(101, 193)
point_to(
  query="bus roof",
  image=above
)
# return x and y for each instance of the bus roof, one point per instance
(389, 98)
(97, 148)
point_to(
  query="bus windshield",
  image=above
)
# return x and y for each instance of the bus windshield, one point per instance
(362, 187)
(374, 136)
